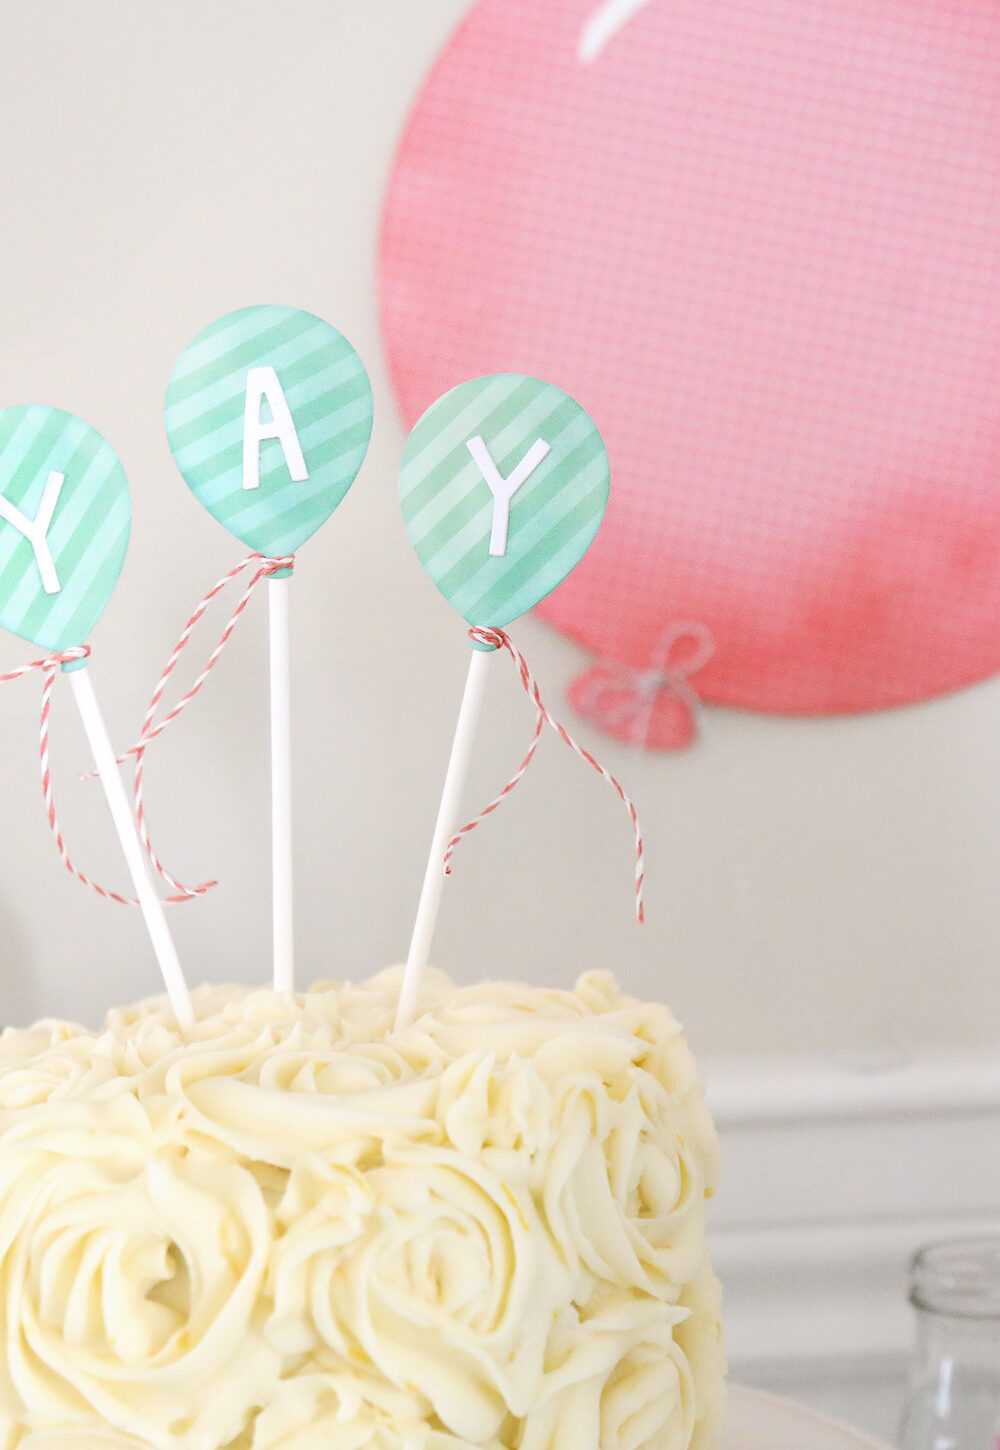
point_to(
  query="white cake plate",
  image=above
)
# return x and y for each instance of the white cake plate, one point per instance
(758, 1421)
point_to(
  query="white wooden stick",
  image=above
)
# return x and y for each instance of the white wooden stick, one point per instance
(281, 786)
(121, 814)
(430, 895)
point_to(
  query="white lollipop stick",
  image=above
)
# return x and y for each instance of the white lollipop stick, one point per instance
(114, 791)
(281, 785)
(454, 781)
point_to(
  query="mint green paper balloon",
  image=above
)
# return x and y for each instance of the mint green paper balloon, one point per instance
(65, 518)
(503, 486)
(268, 414)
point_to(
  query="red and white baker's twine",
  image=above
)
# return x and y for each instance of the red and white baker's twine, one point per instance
(50, 665)
(499, 639)
(151, 728)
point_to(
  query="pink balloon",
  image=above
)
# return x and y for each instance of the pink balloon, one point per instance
(759, 240)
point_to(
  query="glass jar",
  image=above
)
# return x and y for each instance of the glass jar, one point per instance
(953, 1401)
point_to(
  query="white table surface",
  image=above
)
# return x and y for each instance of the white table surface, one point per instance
(758, 1421)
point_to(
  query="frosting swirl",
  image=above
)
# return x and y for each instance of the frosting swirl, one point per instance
(289, 1227)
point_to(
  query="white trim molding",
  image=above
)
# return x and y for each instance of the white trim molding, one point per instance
(831, 1177)
(742, 1095)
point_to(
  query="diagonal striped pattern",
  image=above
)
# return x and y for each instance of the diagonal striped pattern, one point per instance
(448, 507)
(330, 399)
(88, 535)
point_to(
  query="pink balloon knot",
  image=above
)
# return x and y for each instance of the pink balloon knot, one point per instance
(656, 707)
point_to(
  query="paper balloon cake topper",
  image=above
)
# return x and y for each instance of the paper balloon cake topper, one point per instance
(503, 487)
(65, 517)
(64, 525)
(269, 415)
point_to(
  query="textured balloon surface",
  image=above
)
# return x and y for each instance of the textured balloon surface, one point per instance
(269, 414)
(759, 240)
(65, 518)
(503, 486)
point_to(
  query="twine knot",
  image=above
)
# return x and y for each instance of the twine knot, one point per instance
(283, 564)
(50, 663)
(73, 656)
(487, 638)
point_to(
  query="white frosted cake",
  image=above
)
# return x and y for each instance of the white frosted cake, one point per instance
(289, 1227)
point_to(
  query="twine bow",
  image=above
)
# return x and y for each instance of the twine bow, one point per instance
(49, 666)
(153, 728)
(622, 699)
(499, 639)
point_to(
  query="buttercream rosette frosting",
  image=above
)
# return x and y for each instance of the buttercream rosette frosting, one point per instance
(290, 1227)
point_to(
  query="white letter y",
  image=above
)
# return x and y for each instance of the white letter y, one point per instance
(504, 489)
(35, 530)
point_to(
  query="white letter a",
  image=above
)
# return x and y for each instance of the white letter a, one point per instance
(35, 530)
(263, 383)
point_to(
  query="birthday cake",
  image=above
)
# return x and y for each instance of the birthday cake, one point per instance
(288, 1226)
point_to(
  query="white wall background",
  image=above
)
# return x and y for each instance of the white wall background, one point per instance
(826, 887)
(823, 889)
